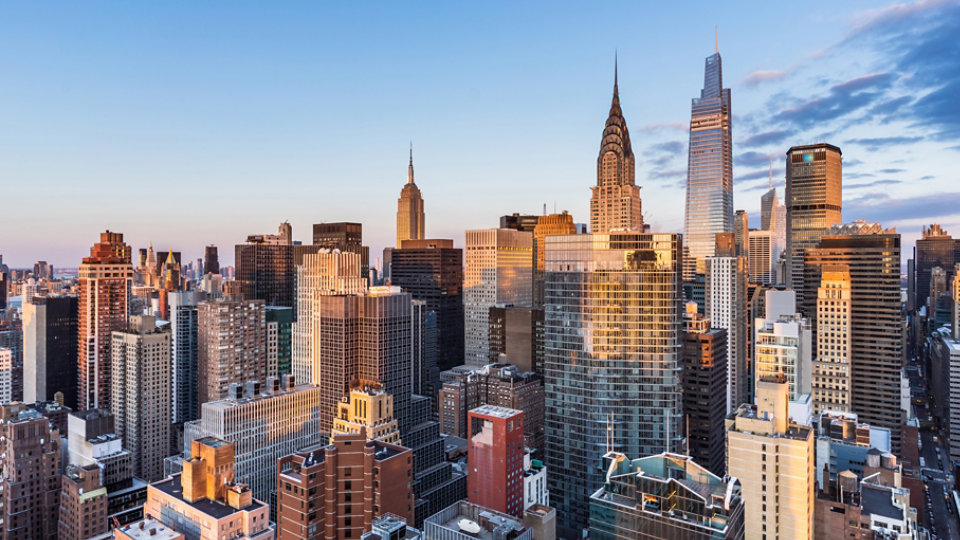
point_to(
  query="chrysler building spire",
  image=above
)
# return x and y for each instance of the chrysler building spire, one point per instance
(615, 201)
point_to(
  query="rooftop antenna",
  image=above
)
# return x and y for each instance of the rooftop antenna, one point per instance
(544, 208)
(715, 47)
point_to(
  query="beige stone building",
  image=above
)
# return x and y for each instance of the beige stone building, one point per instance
(367, 410)
(774, 461)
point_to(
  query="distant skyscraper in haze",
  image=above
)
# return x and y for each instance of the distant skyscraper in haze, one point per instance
(432, 271)
(935, 248)
(615, 200)
(104, 282)
(410, 216)
(612, 366)
(50, 349)
(813, 201)
(709, 208)
(211, 262)
(265, 267)
(499, 270)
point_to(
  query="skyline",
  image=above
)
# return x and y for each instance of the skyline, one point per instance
(228, 129)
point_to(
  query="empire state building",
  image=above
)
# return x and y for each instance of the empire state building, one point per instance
(615, 200)
(410, 216)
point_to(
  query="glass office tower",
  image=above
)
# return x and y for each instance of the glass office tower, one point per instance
(709, 208)
(613, 339)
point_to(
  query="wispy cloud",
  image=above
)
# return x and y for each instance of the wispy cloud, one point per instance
(664, 126)
(888, 210)
(765, 138)
(764, 76)
(876, 143)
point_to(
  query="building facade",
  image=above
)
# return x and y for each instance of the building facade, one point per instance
(495, 459)
(615, 200)
(813, 200)
(204, 502)
(832, 370)
(30, 474)
(726, 307)
(872, 256)
(709, 206)
(50, 349)
(141, 393)
(335, 491)
(265, 266)
(705, 391)
(83, 504)
(432, 272)
(774, 461)
(103, 283)
(232, 345)
(517, 333)
(499, 270)
(613, 335)
(411, 220)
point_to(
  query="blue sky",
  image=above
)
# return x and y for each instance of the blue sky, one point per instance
(189, 123)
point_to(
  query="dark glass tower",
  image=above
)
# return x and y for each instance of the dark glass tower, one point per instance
(709, 208)
(211, 262)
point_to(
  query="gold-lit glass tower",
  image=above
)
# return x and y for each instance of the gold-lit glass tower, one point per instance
(410, 216)
(615, 200)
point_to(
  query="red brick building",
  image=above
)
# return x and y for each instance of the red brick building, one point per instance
(495, 459)
(337, 491)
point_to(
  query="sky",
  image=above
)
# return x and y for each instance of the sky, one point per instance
(191, 123)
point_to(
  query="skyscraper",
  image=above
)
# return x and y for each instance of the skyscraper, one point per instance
(615, 200)
(141, 394)
(872, 256)
(935, 248)
(726, 298)
(321, 273)
(831, 366)
(612, 368)
(50, 349)
(705, 390)
(184, 356)
(410, 216)
(104, 282)
(232, 345)
(547, 225)
(709, 208)
(345, 236)
(364, 339)
(265, 267)
(30, 473)
(760, 258)
(211, 262)
(813, 201)
(499, 270)
(432, 271)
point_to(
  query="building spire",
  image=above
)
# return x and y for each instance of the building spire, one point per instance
(410, 167)
(771, 171)
(716, 48)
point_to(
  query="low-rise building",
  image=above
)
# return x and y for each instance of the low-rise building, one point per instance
(466, 521)
(205, 502)
(640, 499)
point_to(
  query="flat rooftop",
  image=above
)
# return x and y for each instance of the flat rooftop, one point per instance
(498, 412)
(171, 486)
(150, 529)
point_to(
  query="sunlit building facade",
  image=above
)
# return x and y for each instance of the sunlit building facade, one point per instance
(615, 200)
(726, 307)
(709, 207)
(831, 367)
(105, 278)
(612, 369)
(499, 270)
(410, 216)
